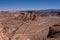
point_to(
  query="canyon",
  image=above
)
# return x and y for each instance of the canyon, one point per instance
(30, 25)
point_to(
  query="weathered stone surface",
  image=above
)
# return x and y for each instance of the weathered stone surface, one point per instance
(27, 25)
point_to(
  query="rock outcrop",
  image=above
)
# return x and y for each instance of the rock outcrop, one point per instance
(30, 25)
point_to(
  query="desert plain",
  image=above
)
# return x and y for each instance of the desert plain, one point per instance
(30, 25)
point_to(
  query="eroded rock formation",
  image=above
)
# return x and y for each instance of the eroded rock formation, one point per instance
(29, 25)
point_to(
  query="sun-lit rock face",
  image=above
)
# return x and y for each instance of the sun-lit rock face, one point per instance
(2, 36)
(28, 25)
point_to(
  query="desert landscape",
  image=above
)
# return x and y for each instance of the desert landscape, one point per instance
(30, 25)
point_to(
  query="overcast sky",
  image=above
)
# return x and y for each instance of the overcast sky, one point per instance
(29, 4)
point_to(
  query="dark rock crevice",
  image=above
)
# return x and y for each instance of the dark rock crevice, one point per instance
(52, 31)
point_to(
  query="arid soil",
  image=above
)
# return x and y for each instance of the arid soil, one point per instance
(30, 25)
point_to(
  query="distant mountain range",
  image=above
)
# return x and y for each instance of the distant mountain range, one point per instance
(49, 10)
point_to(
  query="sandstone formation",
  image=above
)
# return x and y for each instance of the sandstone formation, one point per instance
(2, 36)
(29, 25)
